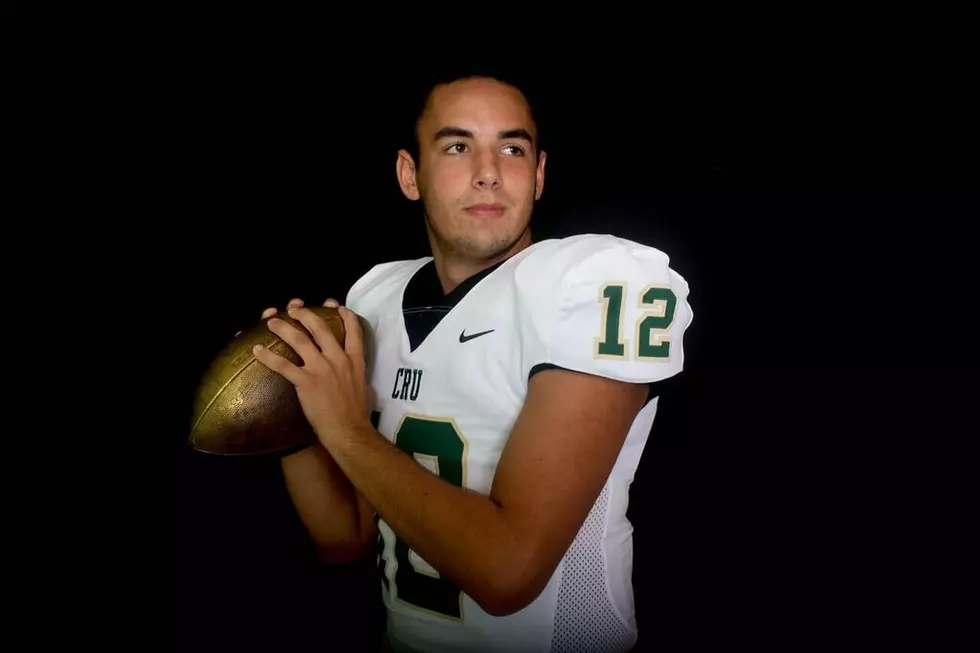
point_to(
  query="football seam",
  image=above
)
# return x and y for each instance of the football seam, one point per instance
(218, 394)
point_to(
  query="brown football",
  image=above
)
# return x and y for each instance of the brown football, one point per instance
(241, 407)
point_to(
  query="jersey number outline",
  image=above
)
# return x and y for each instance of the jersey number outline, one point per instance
(438, 441)
(651, 343)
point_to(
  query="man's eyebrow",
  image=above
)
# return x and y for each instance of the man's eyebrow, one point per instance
(453, 132)
(515, 133)
(459, 132)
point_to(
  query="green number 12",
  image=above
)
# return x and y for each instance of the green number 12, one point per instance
(651, 343)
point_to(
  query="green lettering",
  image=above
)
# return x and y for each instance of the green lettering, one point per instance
(437, 442)
(650, 325)
(610, 343)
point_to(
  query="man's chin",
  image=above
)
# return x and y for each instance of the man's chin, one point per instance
(502, 248)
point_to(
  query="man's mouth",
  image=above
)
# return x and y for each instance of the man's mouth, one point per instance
(486, 210)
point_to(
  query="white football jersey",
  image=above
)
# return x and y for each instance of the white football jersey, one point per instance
(592, 303)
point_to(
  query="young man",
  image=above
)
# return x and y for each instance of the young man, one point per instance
(511, 381)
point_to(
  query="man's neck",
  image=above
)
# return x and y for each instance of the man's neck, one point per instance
(454, 270)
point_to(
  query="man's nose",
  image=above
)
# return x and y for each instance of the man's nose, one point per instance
(487, 176)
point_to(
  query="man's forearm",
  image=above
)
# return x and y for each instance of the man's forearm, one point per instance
(325, 502)
(460, 533)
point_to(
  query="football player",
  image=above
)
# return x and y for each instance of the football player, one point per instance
(510, 384)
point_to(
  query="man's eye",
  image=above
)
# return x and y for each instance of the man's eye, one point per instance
(518, 151)
(456, 148)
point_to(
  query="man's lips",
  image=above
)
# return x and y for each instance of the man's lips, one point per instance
(485, 210)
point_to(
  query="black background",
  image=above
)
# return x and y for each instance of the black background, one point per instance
(796, 477)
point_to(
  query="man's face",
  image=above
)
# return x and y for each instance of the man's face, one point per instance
(477, 174)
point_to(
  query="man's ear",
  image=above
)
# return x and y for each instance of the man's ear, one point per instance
(539, 175)
(405, 170)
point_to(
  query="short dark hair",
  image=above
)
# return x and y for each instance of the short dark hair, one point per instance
(430, 81)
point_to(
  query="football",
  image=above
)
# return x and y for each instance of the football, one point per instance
(241, 407)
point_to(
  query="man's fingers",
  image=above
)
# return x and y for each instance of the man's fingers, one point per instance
(353, 335)
(295, 338)
(278, 364)
(322, 334)
(331, 303)
(295, 302)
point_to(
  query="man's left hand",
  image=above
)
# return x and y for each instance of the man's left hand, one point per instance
(331, 383)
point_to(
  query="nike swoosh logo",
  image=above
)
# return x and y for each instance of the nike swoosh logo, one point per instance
(466, 338)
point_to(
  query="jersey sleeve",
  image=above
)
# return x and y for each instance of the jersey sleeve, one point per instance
(619, 312)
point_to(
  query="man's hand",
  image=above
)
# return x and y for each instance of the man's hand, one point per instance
(331, 383)
(339, 519)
